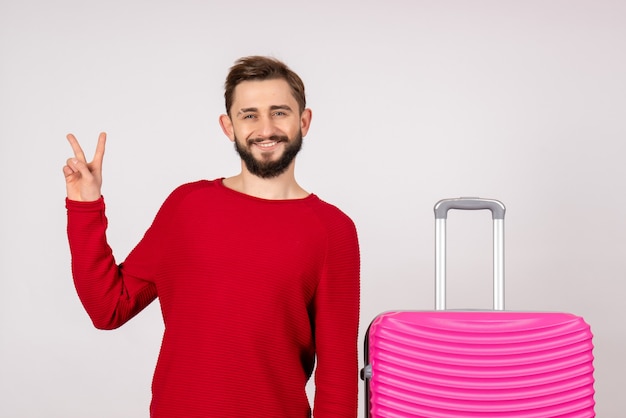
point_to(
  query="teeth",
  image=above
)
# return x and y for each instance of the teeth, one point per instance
(266, 144)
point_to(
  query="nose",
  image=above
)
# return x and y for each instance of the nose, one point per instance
(267, 128)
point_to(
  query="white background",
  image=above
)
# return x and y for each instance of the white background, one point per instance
(413, 101)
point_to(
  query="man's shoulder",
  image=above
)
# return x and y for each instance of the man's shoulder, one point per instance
(188, 193)
(324, 205)
(190, 188)
(329, 212)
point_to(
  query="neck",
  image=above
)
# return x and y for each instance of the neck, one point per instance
(283, 187)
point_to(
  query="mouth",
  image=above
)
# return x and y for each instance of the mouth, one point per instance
(267, 144)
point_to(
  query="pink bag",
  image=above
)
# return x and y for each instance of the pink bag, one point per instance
(461, 364)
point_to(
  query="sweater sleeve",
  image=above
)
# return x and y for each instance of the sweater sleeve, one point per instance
(336, 324)
(110, 297)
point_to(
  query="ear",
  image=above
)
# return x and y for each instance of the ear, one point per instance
(227, 127)
(305, 121)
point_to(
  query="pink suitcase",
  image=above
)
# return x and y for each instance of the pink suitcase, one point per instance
(493, 363)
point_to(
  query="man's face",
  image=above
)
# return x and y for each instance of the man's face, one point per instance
(266, 126)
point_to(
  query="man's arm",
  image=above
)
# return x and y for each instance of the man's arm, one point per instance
(109, 297)
(336, 325)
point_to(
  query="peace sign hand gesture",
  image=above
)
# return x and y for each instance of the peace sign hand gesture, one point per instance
(83, 180)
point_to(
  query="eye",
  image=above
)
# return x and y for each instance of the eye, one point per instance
(280, 113)
(249, 116)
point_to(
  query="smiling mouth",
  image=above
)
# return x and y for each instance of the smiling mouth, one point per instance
(266, 144)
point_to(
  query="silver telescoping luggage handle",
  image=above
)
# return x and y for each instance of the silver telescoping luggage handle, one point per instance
(441, 214)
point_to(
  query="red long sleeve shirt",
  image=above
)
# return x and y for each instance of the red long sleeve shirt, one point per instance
(252, 291)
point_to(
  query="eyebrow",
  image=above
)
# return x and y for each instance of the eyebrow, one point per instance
(256, 109)
(280, 107)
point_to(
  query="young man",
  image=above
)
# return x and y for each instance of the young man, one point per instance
(256, 277)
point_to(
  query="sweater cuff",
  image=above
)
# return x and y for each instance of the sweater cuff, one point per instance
(76, 206)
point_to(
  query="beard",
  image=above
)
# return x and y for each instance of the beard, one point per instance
(266, 167)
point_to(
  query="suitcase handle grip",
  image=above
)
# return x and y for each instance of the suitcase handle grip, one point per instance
(469, 203)
(441, 214)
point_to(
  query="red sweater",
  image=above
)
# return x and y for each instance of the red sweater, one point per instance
(251, 291)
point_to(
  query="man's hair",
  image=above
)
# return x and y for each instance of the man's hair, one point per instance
(260, 68)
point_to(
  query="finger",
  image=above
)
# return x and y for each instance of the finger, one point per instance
(99, 154)
(68, 171)
(79, 166)
(70, 165)
(78, 151)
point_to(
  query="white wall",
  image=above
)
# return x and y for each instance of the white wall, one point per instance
(413, 101)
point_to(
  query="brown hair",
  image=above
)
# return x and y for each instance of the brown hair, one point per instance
(262, 68)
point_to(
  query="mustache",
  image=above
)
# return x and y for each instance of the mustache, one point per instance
(275, 138)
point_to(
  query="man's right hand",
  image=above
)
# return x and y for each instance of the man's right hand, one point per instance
(83, 180)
